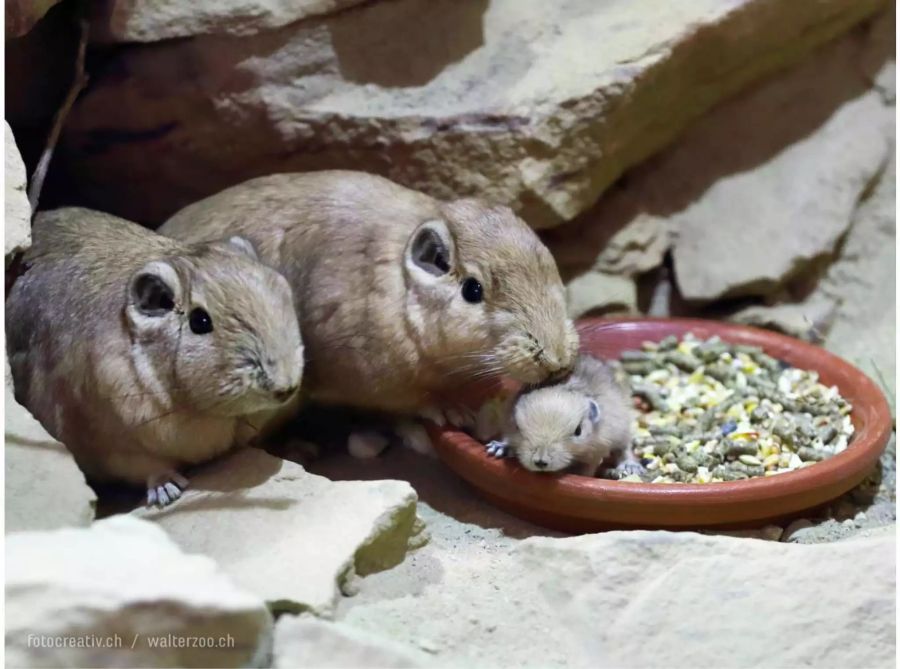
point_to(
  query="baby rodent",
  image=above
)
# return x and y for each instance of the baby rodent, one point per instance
(401, 297)
(143, 354)
(582, 420)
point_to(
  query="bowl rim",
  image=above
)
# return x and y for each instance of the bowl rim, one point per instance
(872, 421)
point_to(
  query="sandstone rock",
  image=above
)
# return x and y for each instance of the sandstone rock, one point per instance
(114, 590)
(596, 293)
(295, 539)
(864, 280)
(779, 194)
(642, 599)
(306, 641)
(807, 319)
(17, 226)
(21, 15)
(533, 104)
(152, 20)
(44, 487)
(623, 234)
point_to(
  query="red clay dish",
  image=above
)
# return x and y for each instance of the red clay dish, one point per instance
(573, 503)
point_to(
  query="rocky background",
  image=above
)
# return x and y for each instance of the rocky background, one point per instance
(719, 159)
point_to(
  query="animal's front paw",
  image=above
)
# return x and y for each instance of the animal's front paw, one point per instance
(461, 417)
(630, 468)
(415, 436)
(497, 448)
(366, 445)
(163, 489)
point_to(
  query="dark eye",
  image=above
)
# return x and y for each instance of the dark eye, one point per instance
(200, 322)
(578, 430)
(472, 291)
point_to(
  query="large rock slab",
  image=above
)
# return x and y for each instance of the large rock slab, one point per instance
(640, 599)
(45, 489)
(295, 539)
(306, 641)
(152, 20)
(17, 222)
(121, 594)
(533, 104)
(787, 188)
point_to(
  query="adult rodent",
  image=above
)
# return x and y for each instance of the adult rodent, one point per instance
(401, 297)
(582, 421)
(142, 353)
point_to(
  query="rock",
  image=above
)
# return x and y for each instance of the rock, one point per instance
(536, 105)
(796, 178)
(807, 319)
(17, 227)
(306, 641)
(21, 15)
(767, 533)
(152, 20)
(596, 293)
(621, 235)
(643, 599)
(863, 279)
(295, 539)
(45, 489)
(121, 594)
(792, 530)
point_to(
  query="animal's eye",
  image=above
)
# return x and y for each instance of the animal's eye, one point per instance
(472, 291)
(578, 430)
(200, 321)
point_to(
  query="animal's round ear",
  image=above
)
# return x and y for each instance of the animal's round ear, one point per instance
(593, 412)
(430, 251)
(153, 291)
(242, 245)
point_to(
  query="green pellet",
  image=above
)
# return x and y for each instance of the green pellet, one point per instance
(635, 356)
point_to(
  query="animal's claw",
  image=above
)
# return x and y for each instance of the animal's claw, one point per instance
(164, 489)
(497, 448)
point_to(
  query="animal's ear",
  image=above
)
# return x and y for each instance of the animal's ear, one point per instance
(242, 245)
(593, 412)
(430, 249)
(153, 290)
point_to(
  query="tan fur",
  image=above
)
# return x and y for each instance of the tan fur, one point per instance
(133, 396)
(544, 420)
(378, 335)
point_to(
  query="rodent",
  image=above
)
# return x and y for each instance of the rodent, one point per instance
(580, 421)
(143, 354)
(401, 297)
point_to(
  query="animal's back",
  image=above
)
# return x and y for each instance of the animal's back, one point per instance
(271, 206)
(68, 304)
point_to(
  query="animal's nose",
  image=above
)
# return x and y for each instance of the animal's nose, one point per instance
(284, 394)
(540, 462)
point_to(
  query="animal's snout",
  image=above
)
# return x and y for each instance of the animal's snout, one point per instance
(540, 462)
(284, 394)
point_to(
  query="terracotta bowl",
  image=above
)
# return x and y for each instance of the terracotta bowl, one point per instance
(573, 503)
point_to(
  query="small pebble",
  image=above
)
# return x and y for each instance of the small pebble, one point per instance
(728, 427)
